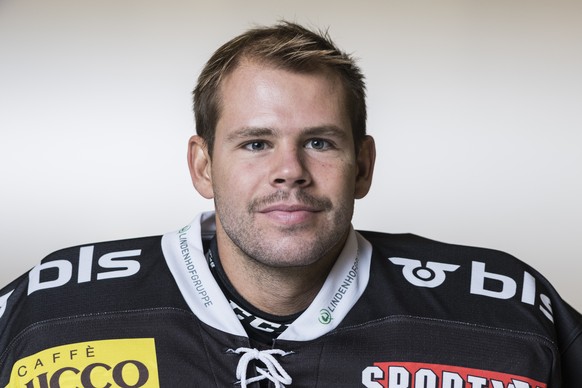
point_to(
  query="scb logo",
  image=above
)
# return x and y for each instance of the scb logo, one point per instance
(431, 275)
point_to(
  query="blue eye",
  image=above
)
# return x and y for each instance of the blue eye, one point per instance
(255, 146)
(317, 144)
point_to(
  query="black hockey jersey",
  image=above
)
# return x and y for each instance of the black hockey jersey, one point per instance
(396, 311)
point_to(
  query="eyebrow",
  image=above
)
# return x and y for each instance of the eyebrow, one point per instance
(250, 132)
(327, 130)
(258, 132)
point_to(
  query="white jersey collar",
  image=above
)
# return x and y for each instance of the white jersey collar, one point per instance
(347, 280)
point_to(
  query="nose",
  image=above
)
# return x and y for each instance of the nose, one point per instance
(288, 168)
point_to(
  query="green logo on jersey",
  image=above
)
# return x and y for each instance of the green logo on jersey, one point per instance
(324, 316)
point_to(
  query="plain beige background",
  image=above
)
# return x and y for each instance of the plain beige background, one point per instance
(475, 107)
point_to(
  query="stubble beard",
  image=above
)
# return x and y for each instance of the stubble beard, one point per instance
(294, 248)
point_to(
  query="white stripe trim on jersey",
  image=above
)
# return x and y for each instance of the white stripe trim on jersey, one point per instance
(343, 287)
(184, 254)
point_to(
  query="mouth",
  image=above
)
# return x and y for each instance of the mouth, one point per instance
(281, 207)
(289, 214)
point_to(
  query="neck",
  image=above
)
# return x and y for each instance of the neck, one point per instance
(275, 290)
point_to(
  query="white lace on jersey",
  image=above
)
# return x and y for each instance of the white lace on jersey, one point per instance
(274, 371)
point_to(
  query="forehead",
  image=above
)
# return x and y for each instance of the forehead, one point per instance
(262, 92)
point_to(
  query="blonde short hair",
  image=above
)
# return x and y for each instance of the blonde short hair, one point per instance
(288, 46)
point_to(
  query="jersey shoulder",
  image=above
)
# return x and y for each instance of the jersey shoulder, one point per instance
(470, 285)
(104, 277)
(425, 250)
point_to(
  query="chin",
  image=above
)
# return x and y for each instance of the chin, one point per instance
(299, 254)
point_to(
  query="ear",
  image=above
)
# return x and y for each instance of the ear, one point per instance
(200, 165)
(365, 167)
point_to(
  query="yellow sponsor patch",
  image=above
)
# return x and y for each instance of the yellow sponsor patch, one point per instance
(119, 363)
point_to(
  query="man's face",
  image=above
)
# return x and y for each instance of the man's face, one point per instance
(284, 172)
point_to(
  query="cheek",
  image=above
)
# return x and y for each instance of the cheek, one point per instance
(236, 180)
(340, 179)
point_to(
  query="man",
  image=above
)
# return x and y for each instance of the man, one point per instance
(276, 289)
